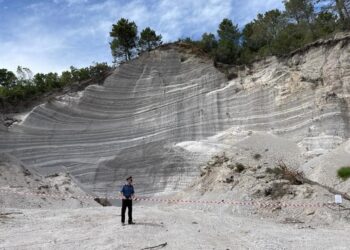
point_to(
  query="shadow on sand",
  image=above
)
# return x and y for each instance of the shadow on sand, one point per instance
(150, 224)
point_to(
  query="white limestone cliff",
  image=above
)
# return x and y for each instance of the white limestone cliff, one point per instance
(160, 116)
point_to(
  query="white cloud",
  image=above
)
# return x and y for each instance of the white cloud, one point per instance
(33, 45)
(170, 18)
(12, 56)
(70, 2)
(250, 9)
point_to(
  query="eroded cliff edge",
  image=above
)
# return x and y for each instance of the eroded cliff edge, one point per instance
(160, 116)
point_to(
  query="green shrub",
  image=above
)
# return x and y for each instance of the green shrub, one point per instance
(344, 173)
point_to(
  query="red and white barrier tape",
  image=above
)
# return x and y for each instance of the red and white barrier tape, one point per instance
(222, 202)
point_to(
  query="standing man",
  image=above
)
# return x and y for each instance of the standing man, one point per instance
(127, 194)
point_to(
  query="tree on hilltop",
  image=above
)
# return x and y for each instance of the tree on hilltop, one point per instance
(341, 8)
(300, 10)
(7, 78)
(228, 45)
(24, 74)
(259, 34)
(208, 42)
(149, 39)
(124, 35)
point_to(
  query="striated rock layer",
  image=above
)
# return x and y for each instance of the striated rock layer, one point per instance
(140, 119)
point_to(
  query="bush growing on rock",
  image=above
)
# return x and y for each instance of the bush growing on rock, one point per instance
(344, 173)
(282, 171)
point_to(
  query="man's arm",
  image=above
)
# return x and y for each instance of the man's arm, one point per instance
(133, 193)
(122, 193)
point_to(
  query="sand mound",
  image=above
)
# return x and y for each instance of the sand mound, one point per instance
(15, 177)
(266, 169)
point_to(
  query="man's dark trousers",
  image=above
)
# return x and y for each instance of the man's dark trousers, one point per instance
(127, 203)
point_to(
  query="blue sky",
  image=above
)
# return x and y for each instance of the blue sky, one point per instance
(52, 35)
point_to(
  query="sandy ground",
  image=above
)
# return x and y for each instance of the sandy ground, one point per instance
(180, 228)
(33, 222)
(30, 222)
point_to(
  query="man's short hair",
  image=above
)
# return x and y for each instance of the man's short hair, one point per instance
(130, 177)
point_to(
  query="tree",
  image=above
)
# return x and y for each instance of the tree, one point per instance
(299, 10)
(99, 71)
(292, 37)
(229, 32)
(46, 82)
(228, 45)
(117, 50)
(7, 78)
(40, 82)
(52, 80)
(124, 35)
(342, 8)
(325, 23)
(208, 42)
(149, 39)
(66, 78)
(24, 74)
(259, 34)
(187, 40)
(79, 75)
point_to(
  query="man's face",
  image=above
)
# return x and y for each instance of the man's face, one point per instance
(130, 181)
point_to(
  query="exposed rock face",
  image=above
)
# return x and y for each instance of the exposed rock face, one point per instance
(139, 121)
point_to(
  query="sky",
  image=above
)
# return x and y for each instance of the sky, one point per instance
(52, 35)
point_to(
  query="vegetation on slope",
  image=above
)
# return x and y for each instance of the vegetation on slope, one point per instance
(24, 88)
(276, 32)
(272, 33)
(344, 173)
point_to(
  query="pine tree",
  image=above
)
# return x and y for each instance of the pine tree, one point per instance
(228, 45)
(149, 39)
(124, 35)
(208, 42)
(300, 10)
(7, 78)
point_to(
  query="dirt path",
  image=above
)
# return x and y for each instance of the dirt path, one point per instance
(180, 228)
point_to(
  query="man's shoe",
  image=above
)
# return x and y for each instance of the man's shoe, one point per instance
(123, 224)
(132, 222)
